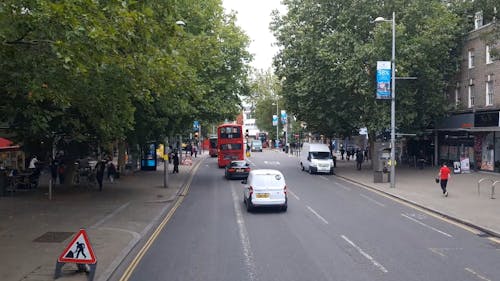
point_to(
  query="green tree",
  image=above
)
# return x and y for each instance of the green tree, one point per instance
(101, 71)
(328, 55)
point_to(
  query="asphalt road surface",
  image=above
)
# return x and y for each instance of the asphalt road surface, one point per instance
(333, 230)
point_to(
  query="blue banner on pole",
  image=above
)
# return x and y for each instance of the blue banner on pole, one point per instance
(283, 117)
(383, 79)
(275, 120)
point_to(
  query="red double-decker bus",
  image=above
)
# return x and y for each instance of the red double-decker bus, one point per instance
(212, 146)
(230, 144)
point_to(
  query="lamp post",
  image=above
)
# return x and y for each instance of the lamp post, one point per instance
(166, 142)
(277, 124)
(393, 96)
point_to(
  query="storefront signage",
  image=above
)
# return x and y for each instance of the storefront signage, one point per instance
(464, 165)
(487, 119)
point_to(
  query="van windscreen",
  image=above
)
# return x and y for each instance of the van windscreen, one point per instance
(320, 155)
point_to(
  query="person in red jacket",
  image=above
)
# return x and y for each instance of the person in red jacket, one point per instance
(444, 176)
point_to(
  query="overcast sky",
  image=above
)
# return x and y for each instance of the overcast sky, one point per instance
(254, 18)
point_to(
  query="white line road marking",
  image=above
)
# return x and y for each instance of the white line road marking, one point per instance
(316, 214)
(323, 177)
(373, 200)
(435, 251)
(378, 265)
(440, 251)
(344, 187)
(476, 274)
(294, 195)
(245, 241)
(428, 226)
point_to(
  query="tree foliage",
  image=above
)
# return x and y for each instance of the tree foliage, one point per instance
(329, 51)
(114, 70)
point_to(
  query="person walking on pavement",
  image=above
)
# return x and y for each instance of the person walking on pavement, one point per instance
(444, 176)
(359, 159)
(111, 171)
(99, 169)
(176, 163)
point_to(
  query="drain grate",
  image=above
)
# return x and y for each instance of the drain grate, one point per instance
(53, 237)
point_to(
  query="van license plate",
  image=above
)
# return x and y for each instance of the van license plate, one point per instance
(262, 195)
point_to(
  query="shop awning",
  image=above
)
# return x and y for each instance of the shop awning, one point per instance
(7, 144)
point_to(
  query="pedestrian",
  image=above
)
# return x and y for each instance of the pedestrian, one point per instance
(61, 170)
(54, 164)
(195, 150)
(33, 163)
(176, 163)
(444, 176)
(348, 155)
(359, 159)
(99, 172)
(111, 171)
(342, 151)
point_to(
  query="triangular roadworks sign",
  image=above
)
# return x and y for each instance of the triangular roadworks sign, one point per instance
(79, 250)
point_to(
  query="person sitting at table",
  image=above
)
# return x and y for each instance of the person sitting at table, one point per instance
(33, 163)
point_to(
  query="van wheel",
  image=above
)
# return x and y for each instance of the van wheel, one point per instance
(310, 170)
(302, 167)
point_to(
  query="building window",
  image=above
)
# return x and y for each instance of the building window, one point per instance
(488, 55)
(471, 93)
(471, 58)
(457, 95)
(489, 90)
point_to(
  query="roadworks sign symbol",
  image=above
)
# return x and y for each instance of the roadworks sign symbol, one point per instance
(79, 250)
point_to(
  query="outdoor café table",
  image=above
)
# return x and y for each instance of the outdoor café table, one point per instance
(22, 180)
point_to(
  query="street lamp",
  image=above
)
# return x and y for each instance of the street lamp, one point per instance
(393, 96)
(277, 124)
(165, 161)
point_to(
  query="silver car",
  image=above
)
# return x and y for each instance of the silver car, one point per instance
(264, 188)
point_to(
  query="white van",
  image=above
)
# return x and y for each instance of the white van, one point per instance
(316, 158)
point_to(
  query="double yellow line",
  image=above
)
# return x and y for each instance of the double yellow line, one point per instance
(184, 191)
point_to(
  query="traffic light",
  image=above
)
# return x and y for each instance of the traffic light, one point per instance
(196, 135)
(246, 133)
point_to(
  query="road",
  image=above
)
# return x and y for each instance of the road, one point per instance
(333, 230)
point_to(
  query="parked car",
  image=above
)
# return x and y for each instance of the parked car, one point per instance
(256, 145)
(237, 169)
(265, 188)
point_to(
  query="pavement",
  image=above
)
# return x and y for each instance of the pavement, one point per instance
(34, 230)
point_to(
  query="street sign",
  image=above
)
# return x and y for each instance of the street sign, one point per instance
(79, 250)
(196, 125)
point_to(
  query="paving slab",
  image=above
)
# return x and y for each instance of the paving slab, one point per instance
(35, 230)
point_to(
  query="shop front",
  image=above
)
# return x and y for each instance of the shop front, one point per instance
(11, 156)
(473, 138)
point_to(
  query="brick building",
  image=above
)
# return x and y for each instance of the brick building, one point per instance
(472, 132)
